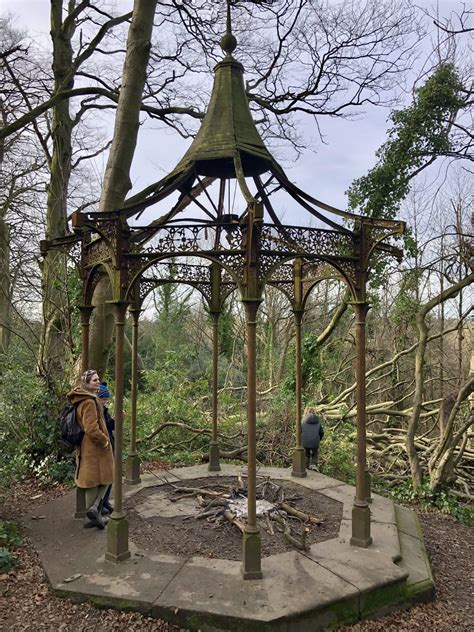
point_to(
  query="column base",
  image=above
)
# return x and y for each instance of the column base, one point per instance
(251, 555)
(361, 526)
(132, 469)
(214, 455)
(80, 503)
(299, 463)
(117, 539)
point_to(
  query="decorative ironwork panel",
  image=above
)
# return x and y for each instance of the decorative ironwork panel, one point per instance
(102, 244)
(283, 279)
(319, 271)
(375, 239)
(194, 238)
(234, 261)
(75, 253)
(190, 273)
(349, 270)
(91, 281)
(110, 230)
(197, 276)
(146, 286)
(283, 274)
(97, 251)
(267, 263)
(299, 241)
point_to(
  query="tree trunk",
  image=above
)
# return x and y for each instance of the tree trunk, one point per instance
(117, 174)
(413, 459)
(54, 336)
(5, 306)
(441, 463)
(102, 327)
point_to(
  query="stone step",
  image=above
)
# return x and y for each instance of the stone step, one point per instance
(420, 586)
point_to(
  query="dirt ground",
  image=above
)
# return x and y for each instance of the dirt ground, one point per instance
(190, 536)
(26, 604)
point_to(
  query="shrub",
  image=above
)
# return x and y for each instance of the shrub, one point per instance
(7, 560)
(445, 501)
(337, 453)
(276, 431)
(29, 430)
(10, 534)
(10, 538)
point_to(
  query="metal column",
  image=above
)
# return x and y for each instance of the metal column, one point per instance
(117, 529)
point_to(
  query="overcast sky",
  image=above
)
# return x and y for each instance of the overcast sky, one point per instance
(326, 174)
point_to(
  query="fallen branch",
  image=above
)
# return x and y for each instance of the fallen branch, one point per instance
(232, 518)
(299, 514)
(300, 543)
(188, 492)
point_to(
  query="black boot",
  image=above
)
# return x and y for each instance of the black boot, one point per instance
(106, 507)
(94, 516)
(93, 524)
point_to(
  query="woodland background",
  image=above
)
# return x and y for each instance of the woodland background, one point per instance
(304, 60)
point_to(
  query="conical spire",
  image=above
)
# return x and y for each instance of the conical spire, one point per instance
(227, 130)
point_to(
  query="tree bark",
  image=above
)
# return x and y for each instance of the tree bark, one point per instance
(424, 310)
(117, 174)
(54, 335)
(5, 307)
(441, 463)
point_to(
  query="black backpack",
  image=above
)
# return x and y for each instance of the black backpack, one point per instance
(69, 428)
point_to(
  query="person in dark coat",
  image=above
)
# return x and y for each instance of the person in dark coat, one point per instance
(311, 434)
(103, 395)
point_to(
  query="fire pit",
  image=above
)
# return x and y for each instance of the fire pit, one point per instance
(206, 516)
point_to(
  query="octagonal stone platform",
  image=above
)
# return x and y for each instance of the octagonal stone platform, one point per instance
(331, 584)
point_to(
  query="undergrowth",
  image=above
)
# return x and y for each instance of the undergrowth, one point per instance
(444, 501)
(10, 539)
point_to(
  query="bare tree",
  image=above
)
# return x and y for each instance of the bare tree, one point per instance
(24, 174)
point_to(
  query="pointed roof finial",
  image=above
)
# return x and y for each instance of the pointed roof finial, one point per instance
(228, 41)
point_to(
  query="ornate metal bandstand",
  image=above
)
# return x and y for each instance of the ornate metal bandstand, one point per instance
(209, 245)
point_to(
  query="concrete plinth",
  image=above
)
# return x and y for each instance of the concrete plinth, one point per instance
(132, 469)
(214, 455)
(361, 526)
(117, 539)
(81, 507)
(330, 585)
(251, 555)
(299, 463)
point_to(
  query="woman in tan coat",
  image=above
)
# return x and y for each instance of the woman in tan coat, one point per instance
(94, 457)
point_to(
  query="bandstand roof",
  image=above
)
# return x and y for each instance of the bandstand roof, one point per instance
(228, 146)
(196, 225)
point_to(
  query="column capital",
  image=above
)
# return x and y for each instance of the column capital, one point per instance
(361, 309)
(135, 312)
(119, 303)
(251, 309)
(298, 313)
(86, 309)
(362, 303)
(120, 310)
